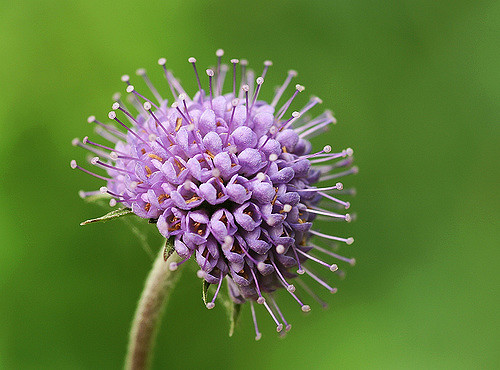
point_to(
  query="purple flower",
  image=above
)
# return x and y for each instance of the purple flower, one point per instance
(230, 178)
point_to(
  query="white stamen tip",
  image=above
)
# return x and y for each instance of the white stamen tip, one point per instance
(192, 60)
(347, 205)
(173, 266)
(273, 130)
(115, 106)
(103, 189)
(291, 288)
(112, 115)
(113, 156)
(327, 148)
(334, 268)
(125, 78)
(295, 114)
(301, 272)
(190, 127)
(116, 96)
(273, 157)
(306, 308)
(245, 88)
(288, 327)
(112, 202)
(129, 88)
(349, 152)
(152, 137)
(85, 140)
(216, 172)
(280, 249)
(347, 217)
(91, 119)
(260, 80)
(261, 176)
(235, 102)
(261, 266)
(258, 336)
(94, 160)
(134, 184)
(210, 305)
(233, 149)
(182, 96)
(175, 104)
(244, 62)
(187, 185)
(333, 290)
(279, 328)
(261, 300)
(200, 274)
(352, 261)
(355, 169)
(81, 194)
(287, 208)
(147, 105)
(339, 186)
(162, 61)
(235, 61)
(219, 52)
(73, 164)
(75, 141)
(268, 63)
(299, 88)
(349, 241)
(210, 72)
(293, 73)
(319, 100)
(140, 72)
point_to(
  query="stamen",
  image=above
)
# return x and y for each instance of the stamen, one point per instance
(211, 304)
(131, 89)
(314, 100)
(281, 90)
(162, 62)
(183, 97)
(210, 74)
(279, 326)
(261, 299)
(108, 128)
(345, 204)
(353, 170)
(193, 62)
(332, 268)
(348, 241)
(321, 282)
(337, 186)
(259, 81)
(304, 307)
(131, 118)
(323, 123)
(267, 64)
(287, 325)
(283, 109)
(96, 161)
(219, 53)
(142, 72)
(176, 106)
(234, 103)
(311, 293)
(112, 115)
(74, 165)
(244, 64)
(258, 334)
(350, 261)
(329, 157)
(346, 217)
(234, 62)
(76, 142)
(85, 194)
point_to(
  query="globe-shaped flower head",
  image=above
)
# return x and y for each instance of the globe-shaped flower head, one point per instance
(229, 178)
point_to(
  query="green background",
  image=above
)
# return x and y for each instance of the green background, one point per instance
(415, 88)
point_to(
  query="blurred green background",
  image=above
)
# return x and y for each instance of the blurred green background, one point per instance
(415, 88)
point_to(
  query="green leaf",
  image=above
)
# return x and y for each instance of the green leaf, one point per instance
(169, 248)
(233, 317)
(109, 216)
(204, 291)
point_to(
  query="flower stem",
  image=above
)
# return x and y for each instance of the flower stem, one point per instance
(159, 284)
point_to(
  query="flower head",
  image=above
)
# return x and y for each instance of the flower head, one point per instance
(229, 177)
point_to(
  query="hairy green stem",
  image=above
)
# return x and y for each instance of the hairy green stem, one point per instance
(159, 284)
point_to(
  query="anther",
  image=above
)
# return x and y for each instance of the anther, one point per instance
(273, 157)
(287, 208)
(173, 266)
(306, 308)
(125, 78)
(280, 249)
